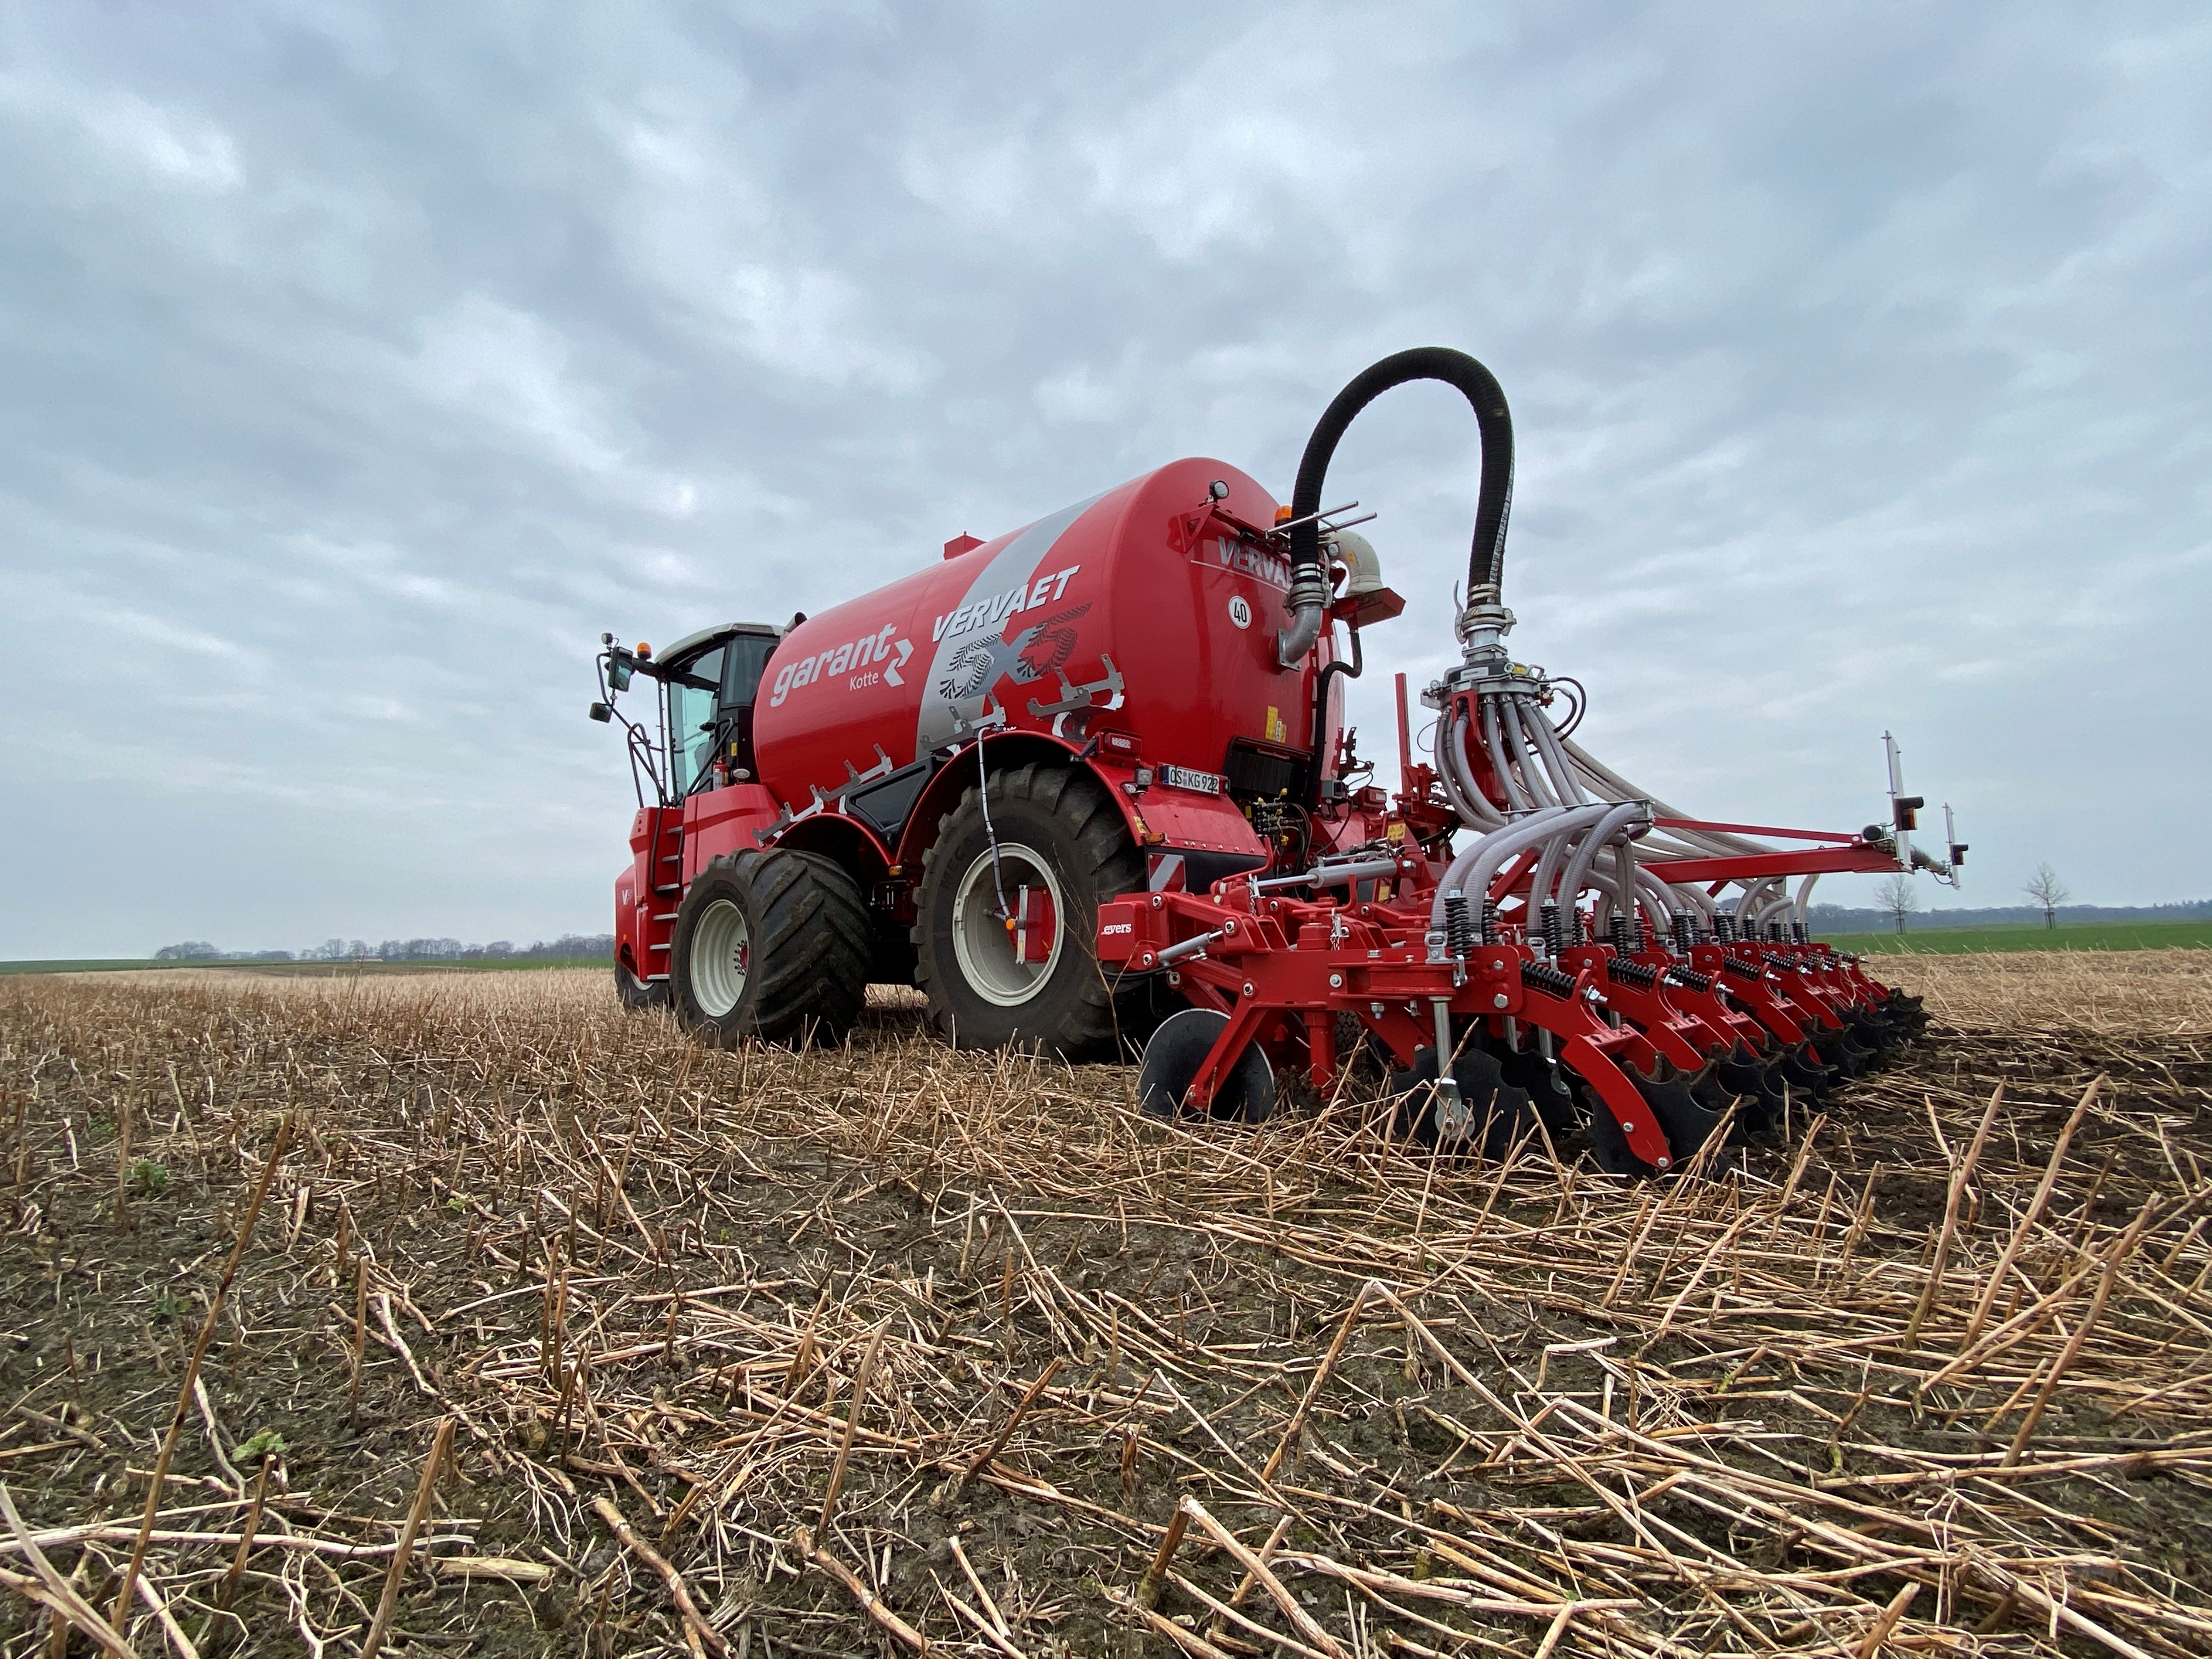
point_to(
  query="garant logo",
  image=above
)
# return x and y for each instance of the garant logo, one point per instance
(845, 659)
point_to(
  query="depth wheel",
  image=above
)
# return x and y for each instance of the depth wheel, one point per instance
(1176, 1051)
(1004, 937)
(775, 946)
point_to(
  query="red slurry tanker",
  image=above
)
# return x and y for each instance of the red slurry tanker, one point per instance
(1089, 783)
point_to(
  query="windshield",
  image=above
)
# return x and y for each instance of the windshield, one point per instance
(692, 692)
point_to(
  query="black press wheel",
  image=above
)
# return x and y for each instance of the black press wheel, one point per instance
(1175, 1051)
(1004, 937)
(638, 995)
(775, 946)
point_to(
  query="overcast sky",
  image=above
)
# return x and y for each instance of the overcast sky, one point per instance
(358, 365)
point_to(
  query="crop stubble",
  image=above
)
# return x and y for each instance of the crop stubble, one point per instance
(1120, 1386)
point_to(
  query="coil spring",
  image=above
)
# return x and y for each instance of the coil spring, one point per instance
(1490, 921)
(1695, 981)
(1724, 929)
(1619, 931)
(1741, 969)
(1542, 977)
(1621, 971)
(1459, 925)
(1686, 940)
(1800, 932)
(1555, 929)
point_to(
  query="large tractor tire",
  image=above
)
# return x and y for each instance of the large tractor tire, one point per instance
(773, 945)
(1063, 849)
(638, 995)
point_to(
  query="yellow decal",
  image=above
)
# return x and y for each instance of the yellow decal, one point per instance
(1276, 732)
(1397, 830)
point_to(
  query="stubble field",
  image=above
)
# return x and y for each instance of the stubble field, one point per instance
(554, 1334)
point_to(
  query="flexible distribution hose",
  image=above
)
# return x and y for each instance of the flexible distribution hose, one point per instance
(1472, 870)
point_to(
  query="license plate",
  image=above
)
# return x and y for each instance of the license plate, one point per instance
(1198, 783)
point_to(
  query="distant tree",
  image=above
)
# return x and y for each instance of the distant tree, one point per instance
(193, 950)
(1896, 897)
(2047, 892)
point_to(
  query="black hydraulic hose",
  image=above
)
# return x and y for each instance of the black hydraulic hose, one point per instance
(1351, 670)
(1486, 559)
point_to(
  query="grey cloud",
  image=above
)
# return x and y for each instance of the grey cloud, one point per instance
(359, 370)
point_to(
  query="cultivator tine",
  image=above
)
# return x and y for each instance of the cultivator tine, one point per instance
(1488, 1115)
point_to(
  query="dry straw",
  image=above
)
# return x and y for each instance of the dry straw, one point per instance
(962, 1346)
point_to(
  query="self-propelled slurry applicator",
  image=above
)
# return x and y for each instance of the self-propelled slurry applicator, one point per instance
(1090, 781)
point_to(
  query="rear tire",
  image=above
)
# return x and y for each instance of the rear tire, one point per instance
(1060, 834)
(775, 946)
(637, 995)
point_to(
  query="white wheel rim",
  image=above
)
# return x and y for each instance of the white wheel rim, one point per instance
(722, 955)
(980, 941)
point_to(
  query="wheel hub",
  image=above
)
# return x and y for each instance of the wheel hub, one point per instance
(721, 956)
(1007, 955)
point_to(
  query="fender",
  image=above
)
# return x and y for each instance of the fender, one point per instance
(1160, 820)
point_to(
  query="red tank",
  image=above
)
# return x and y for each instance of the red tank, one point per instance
(1141, 610)
(1147, 596)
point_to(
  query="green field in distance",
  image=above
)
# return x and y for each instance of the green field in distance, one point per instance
(2031, 936)
(1932, 941)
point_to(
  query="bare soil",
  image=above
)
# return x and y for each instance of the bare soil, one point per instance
(1565, 1414)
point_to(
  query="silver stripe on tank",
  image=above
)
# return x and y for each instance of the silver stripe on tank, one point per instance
(1021, 561)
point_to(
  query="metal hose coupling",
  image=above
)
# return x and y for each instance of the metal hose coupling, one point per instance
(1306, 602)
(1480, 628)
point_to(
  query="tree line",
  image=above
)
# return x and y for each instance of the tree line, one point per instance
(568, 946)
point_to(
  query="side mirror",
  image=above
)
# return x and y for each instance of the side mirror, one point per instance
(601, 712)
(618, 674)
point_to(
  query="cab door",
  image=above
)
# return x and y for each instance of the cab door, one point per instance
(711, 718)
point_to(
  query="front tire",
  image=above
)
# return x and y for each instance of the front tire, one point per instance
(775, 946)
(1062, 848)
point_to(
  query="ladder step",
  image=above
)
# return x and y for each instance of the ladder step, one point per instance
(666, 915)
(672, 887)
(656, 947)
(655, 979)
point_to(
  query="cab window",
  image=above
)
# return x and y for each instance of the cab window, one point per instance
(693, 692)
(746, 658)
(748, 655)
